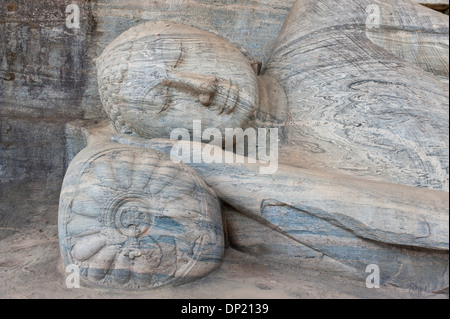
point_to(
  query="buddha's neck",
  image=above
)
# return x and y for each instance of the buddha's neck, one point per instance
(273, 110)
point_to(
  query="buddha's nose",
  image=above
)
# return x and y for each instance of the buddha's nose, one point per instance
(204, 86)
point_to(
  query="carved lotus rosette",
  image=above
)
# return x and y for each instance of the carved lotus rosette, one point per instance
(131, 218)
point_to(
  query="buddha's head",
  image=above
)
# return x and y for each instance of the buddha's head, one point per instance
(157, 77)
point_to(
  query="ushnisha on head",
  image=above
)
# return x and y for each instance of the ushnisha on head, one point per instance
(157, 77)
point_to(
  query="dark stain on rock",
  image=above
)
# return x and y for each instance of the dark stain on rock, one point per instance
(33, 25)
(45, 59)
(8, 76)
(12, 7)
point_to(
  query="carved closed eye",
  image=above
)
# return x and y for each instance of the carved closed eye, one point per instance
(180, 57)
(168, 53)
(158, 95)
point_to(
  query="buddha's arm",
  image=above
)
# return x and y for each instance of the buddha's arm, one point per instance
(383, 212)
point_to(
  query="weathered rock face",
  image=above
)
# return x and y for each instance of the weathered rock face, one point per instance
(32, 150)
(45, 65)
(131, 218)
(44, 83)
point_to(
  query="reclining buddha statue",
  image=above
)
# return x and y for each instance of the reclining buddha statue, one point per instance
(362, 174)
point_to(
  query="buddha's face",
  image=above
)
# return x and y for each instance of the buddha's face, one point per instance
(158, 77)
